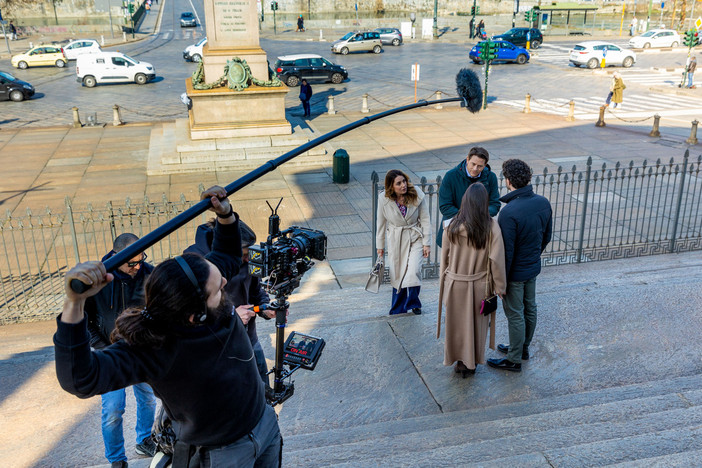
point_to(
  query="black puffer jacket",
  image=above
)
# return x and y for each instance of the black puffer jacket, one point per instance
(122, 293)
(526, 231)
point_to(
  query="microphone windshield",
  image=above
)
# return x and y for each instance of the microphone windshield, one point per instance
(468, 87)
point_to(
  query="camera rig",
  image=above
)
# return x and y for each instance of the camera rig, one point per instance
(281, 261)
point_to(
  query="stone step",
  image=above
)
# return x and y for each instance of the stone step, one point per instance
(594, 444)
(573, 414)
(684, 459)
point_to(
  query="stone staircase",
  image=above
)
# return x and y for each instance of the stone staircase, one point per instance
(653, 424)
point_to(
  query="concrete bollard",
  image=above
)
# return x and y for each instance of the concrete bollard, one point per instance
(330, 105)
(321, 36)
(656, 124)
(102, 41)
(571, 111)
(76, 118)
(116, 116)
(364, 107)
(527, 104)
(31, 44)
(438, 97)
(600, 122)
(124, 36)
(693, 134)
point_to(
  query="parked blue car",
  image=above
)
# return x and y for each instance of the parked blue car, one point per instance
(507, 52)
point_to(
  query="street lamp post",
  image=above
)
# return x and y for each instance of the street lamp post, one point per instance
(514, 12)
(436, 28)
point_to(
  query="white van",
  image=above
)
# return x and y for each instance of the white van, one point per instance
(112, 67)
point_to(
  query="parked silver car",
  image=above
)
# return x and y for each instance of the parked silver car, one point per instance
(367, 41)
(390, 36)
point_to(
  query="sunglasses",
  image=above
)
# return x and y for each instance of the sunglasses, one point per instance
(138, 262)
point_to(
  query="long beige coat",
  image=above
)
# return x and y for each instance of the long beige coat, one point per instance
(405, 237)
(463, 274)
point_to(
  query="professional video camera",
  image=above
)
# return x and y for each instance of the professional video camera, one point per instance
(281, 261)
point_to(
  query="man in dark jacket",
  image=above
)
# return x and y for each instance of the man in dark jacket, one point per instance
(475, 168)
(126, 290)
(305, 96)
(244, 290)
(526, 223)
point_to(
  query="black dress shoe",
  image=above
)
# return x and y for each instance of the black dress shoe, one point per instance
(505, 365)
(504, 349)
(417, 311)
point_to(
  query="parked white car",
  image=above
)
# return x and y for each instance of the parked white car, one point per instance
(193, 53)
(656, 38)
(81, 46)
(112, 67)
(591, 53)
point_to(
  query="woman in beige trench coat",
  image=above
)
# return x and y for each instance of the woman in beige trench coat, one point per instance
(466, 241)
(403, 220)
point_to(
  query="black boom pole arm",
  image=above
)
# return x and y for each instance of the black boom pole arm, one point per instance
(167, 228)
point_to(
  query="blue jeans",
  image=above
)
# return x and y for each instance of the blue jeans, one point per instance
(112, 410)
(689, 79)
(520, 309)
(260, 448)
(405, 300)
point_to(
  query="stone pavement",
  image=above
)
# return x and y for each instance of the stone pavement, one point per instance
(614, 377)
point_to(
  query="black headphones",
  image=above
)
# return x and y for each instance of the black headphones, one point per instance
(191, 276)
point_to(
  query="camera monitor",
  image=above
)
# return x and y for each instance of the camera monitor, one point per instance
(302, 350)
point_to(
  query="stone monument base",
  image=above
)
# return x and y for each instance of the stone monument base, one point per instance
(172, 151)
(214, 61)
(226, 113)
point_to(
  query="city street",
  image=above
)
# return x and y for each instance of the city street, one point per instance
(549, 78)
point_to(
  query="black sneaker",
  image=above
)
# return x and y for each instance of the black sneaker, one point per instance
(147, 447)
(417, 311)
(119, 464)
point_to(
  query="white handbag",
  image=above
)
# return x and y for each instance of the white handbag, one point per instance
(375, 277)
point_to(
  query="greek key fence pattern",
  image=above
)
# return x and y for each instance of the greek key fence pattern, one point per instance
(603, 213)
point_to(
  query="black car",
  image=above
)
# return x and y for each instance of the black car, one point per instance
(518, 37)
(187, 19)
(290, 69)
(14, 89)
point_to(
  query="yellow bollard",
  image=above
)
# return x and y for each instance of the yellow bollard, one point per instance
(527, 47)
(602, 63)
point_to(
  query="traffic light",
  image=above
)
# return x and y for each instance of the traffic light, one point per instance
(493, 48)
(474, 10)
(131, 8)
(530, 15)
(274, 6)
(690, 40)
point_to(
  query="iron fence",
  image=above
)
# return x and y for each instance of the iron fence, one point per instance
(603, 213)
(37, 249)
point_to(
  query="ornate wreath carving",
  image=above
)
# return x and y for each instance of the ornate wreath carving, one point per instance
(237, 76)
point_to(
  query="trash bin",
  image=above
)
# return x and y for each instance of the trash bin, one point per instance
(341, 167)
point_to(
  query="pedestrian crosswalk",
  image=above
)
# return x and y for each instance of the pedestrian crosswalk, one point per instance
(185, 34)
(634, 106)
(649, 77)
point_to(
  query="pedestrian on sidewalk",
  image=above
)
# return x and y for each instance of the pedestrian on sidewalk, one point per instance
(526, 224)
(481, 30)
(300, 24)
(691, 67)
(474, 168)
(305, 96)
(471, 241)
(188, 344)
(102, 310)
(632, 26)
(616, 91)
(403, 220)
(13, 31)
(471, 27)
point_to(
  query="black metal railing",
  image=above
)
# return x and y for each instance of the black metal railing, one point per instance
(603, 213)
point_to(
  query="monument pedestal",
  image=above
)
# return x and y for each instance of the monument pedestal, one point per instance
(214, 61)
(226, 113)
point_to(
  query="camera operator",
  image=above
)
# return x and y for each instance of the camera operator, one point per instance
(244, 290)
(188, 344)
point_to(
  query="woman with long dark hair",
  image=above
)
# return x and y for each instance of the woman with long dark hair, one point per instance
(470, 240)
(403, 220)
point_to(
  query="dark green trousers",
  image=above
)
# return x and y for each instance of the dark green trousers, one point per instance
(519, 305)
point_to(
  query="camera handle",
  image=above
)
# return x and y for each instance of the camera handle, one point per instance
(281, 390)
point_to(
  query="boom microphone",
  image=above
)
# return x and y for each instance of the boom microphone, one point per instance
(469, 92)
(468, 87)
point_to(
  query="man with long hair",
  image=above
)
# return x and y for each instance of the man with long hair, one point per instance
(526, 223)
(188, 344)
